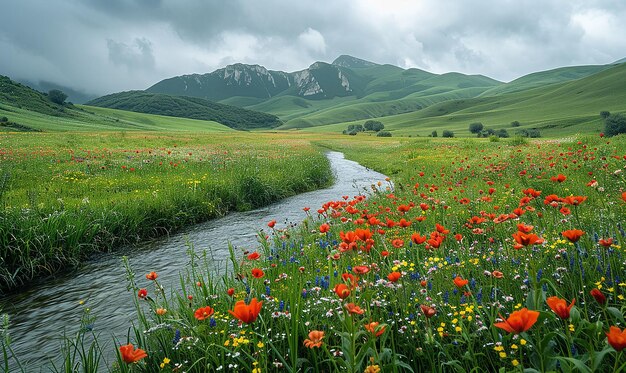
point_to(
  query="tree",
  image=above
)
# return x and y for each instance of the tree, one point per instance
(56, 96)
(476, 127)
(502, 133)
(447, 133)
(515, 123)
(355, 128)
(373, 125)
(614, 124)
(434, 134)
(605, 114)
(384, 134)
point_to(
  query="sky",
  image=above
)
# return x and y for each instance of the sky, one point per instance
(106, 46)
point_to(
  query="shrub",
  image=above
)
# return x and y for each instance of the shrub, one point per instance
(373, 125)
(384, 134)
(476, 127)
(532, 133)
(56, 96)
(605, 114)
(4, 119)
(515, 123)
(494, 138)
(518, 140)
(447, 133)
(614, 124)
(433, 134)
(502, 133)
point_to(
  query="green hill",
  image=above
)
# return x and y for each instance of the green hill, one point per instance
(22, 96)
(187, 107)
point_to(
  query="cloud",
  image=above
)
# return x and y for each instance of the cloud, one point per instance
(313, 40)
(138, 55)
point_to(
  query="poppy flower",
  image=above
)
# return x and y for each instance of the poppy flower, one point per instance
(624, 196)
(353, 309)
(428, 311)
(573, 235)
(254, 256)
(246, 312)
(459, 282)
(394, 276)
(342, 291)
(616, 338)
(152, 276)
(131, 355)
(257, 273)
(203, 313)
(417, 239)
(363, 234)
(230, 291)
(142, 293)
(606, 242)
(361, 269)
(271, 224)
(574, 200)
(324, 228)
(525, 228)
(375, 328)
(315, 339)
(560, 307)
(524, 239)
(559, 178)
(518, 321)
(598, 296)
(397, 243)
(497, 274)
(384, 253)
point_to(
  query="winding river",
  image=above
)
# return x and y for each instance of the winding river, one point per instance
(39, 317)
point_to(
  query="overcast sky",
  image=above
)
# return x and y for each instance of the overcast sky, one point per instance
(105, 46)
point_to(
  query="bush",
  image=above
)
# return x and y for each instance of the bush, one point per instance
(56, 96)
(515, 123)
(433, 134)
(384, 134)
(487, 132)
(502, 133)
(532, 133)
(355, 128)
(447, 133)
(476, 127)
(373, 125)
(518, 140)
(494, 138)
(4, 119)
(605, 114)
(614, 124)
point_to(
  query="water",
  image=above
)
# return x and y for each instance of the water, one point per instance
(40, 316)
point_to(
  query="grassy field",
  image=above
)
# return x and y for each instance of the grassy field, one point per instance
(66, 195)
(498, 256)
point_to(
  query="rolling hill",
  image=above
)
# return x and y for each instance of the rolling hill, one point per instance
(187, 107)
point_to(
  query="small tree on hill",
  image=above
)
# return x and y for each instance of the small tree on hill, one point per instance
(515, 123)
(476, 127)
(56, 96)
(502, 133)
(614, 124)
(605, 114)
(373, 125)
(433, 134)
(447, 133)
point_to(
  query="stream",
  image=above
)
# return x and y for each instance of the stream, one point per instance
(40, 316)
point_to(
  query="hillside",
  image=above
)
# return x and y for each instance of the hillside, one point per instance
(21, 96)
(187, 107)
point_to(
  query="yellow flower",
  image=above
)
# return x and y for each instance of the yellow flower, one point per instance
(515, 362)
(503, 354)
(260, 344)
(522, 342)
(372, 369)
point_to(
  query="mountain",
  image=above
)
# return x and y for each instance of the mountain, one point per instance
(352, 62)
(187, 107)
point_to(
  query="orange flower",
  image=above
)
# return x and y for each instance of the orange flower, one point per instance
(428, 311)
(160, 311)
(397, 243)
(152, 276)
(353, 309)
(375, 328)
(394, 276)
(315, 339)
(560, 307)
(324, 228)
(606, 242)
(525, 228)
(131, 355)
(497, 274)
(459, 282)
(247, 313)
(598, 296)
(573, 234)
(616, 338)
(624, 196)
(518, 321)
(142, 293)
(257, 273)
(417, 239)
(342, 291)
(559, 178)
(254, 256)
(574, 200)
(524, 239)
(271, 224)
(203, 313)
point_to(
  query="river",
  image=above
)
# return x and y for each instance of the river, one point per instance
(40, 316)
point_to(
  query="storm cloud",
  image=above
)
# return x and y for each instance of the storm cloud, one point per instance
(100, 47)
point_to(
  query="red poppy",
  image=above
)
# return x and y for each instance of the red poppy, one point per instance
(598, 296)
(203, 313)
(417, 239)
(573, 235)
(353, 309)
(624, 196)
(142, 293)
(525, 228)
(574, 200)
(247, 313)
(459, 282)
(497, 274)
(524, 239)
(394, 276)
(254, 256)
(440, 228)
(131, 355)
(384, 253)
(324, 228)
(361, 269)
(230, 291)
(257, 273)
(375, 328)
(560, 307)
(518, 321)
(616, 338)
(458, 237)
(271, 224)
(559, 178)
(606, 242)
(397, 243)
(152, 276)
(342, 291)
(428, 311)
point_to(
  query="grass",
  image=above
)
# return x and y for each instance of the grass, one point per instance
(66, 195)
(420, 275)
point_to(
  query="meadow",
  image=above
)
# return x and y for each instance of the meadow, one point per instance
(475, 256)
(65, 196)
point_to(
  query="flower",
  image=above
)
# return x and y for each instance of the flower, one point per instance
(560, 307)
(142, 293)
(559, 178)
(230, 291)
(160, 311)
(397, 243)
(606, 242)
(428, 311)
(203, 313)
(573, 235)
(459, 282)
(372, 369)
(598, 296)
(525, 239)
(353, 309)
(324, 228)
(497, 274)
(247, 312)
(361, 269)
(342, 291)
(624, 196)
(271, 224)
(417, 239)
(616, 338)
(257, 273)
(152, 276)
(315, 339)
(131, 355)
(375, 328)
(518, 321)
(394, 276)
(254, 256)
